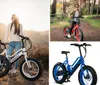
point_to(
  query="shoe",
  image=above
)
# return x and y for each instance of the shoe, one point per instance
(69, 36)
(13, 71)
(13, 74)
(75, 37)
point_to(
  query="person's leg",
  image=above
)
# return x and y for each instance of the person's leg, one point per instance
(17, 47)
(72, 26)
(9, 52)
(10, 49)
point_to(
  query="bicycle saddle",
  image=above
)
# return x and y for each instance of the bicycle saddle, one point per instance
(65, 52)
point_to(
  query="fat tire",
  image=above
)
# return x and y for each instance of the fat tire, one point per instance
(5, 60)
(40, 70)
(92, 72)
(64, 70)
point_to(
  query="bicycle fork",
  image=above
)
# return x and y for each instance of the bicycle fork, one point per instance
(28, 63)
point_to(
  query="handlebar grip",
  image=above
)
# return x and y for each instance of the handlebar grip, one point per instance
(86, 44)
(72, 44)
(75, 44)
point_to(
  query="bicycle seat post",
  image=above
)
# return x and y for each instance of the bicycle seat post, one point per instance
(66, 56)
(65, 52)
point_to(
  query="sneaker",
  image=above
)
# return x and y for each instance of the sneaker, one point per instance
(13, 71)
(69, 36)
(75, 37)
(13, 74)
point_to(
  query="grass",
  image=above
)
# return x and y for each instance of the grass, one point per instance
(60, 24)
(93, 22)
(89, 18)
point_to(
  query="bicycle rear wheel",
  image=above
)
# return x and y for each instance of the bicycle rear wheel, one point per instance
(59, 73)
(4, 66)
(33, 72)
(66, 31)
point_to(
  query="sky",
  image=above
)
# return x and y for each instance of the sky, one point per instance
(33, 14)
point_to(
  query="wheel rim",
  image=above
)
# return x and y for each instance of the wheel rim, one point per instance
(86, 77)
(31, 72)
(57, 73)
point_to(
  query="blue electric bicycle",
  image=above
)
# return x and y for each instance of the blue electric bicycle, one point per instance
(63, 71)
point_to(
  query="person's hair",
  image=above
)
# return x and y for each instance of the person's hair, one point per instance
(16, 25)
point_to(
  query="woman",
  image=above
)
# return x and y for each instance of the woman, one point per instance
(13, 31)
(75, 13)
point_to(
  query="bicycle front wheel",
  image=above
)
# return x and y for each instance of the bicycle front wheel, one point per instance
(87, 76)
(79, 35)
(33, 72)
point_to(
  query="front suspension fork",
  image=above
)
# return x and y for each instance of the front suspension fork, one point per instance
(28, 63)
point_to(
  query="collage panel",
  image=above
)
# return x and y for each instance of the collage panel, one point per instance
(74, 63)
(24, 42)
(74, 20)
(49, 42)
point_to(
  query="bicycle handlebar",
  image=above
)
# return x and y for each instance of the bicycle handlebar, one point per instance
(80, 45)
(4, 44)
(23, 38)
(26, 38)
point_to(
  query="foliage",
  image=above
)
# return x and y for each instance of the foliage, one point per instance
(94, 20)
(60, 24)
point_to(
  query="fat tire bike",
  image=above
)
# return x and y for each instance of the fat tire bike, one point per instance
(30, 68)
(63, 71)
(76, 31)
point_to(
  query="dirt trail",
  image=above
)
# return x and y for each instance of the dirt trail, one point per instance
(90, 33)
(43, 80)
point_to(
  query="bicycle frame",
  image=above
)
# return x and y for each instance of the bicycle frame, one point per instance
(72, 68)
(76, 26)
(18, 54)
